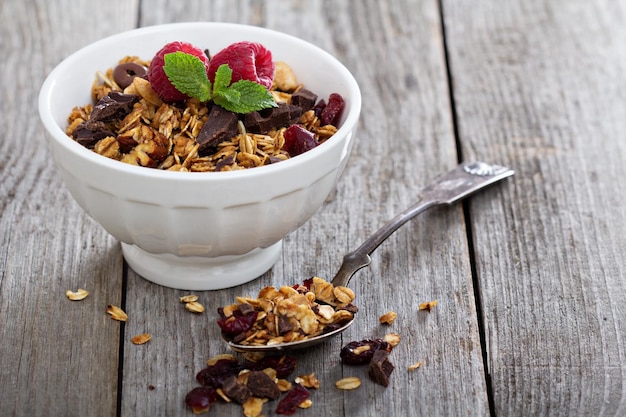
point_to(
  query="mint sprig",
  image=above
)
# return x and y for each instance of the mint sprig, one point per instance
(187, 73)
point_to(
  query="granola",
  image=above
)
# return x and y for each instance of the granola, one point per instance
(287, 314)
(151, 132)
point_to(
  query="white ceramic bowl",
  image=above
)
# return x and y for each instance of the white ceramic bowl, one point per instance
(198, 231)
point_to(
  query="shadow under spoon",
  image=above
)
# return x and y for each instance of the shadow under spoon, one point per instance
(448, 189)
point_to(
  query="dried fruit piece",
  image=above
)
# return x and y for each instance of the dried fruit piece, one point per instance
(283, 365)
(298, 140)
(140, 339)
(332, 112)
(77, 295)
(116, 313)
(429, 305)
(218, 371)
(200, 399)
(289, 404)
(247, 60)
(157, 77)
(348, 383)
(361, 352)
(194, 307)
(388, 318)
(380, 368)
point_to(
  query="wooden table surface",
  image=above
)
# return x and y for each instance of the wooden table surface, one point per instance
(529, 275)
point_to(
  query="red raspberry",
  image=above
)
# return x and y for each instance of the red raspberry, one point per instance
(159, 81)
(248, 61)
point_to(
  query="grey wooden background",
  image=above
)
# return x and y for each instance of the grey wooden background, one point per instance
(529, 276)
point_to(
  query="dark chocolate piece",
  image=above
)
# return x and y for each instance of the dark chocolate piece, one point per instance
(380, 368)
(284, 326)
(244, 308)
(262, 386)
(89, 134)
(124, 73)
(235, 389)
(114, 106)
(220, 126)
(265, 120)
(304, 99)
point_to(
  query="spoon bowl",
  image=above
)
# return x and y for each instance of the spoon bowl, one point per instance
(464, 180)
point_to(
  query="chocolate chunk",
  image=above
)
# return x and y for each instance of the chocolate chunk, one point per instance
(349, 307)
(114, 106)
(88, 134)
(284, 326)
(380, 368)
(262, 386)
(304, 99)
(265, 120)
(235, 389)
(124, 73)
(220, 126)
(245, 308)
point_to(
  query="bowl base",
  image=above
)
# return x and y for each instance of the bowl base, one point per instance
(200, 273)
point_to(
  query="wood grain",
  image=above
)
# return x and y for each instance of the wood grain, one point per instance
(529, 275)
(552, 274)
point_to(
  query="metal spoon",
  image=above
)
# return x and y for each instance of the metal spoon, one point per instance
(448, 189)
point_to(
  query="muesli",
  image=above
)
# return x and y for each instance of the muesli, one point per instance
(185, 111)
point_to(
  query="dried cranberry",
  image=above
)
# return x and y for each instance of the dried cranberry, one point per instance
(308, 282)
(283, 365)
(298, 140)
(332, 112)
(361, 352)
(290, 402)
(200, 399)
(236, 324)
(319, 108)
(214, 375)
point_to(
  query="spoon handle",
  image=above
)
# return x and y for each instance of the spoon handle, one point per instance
(448, 189)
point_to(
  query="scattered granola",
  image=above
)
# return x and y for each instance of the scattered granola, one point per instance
(388, 318)
(251, 384)
(287, 314)
(392, 338)
(141, 339)
(77, 295)
(116, 313)
(429, 305)
(416, 365)
(194, 307)
(190, 298)
(348, 383)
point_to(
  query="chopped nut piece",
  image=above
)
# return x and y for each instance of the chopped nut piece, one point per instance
(388, 318)
(116, 313)
(190, 298)
(253, 407)
(348, 383)
(429, 305)
(415, 366)
(308, 381)
(77, 295)
(194, 307)
(140, 339)
(392, 338)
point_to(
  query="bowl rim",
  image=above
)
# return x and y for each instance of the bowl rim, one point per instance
(59, 136)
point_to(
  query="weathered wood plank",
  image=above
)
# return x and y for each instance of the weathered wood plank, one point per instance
(539, 85)
(58, 357)
(405, 140)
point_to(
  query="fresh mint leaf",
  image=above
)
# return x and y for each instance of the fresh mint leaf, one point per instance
(246, 96)
(223, 76)
(188, 74)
